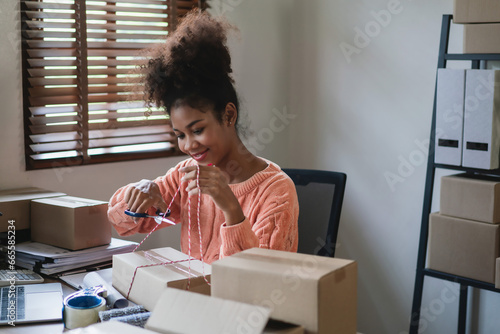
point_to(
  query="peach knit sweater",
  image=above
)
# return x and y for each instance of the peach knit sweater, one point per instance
(268, 199)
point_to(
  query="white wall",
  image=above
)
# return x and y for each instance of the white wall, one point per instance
(363, 117)
(365, 114)
(260, 56)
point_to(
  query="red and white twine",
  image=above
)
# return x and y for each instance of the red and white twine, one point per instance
(189, 237)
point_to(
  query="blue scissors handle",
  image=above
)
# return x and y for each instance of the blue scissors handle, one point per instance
(144, 215)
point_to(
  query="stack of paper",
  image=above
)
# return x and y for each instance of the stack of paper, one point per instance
(51, 260)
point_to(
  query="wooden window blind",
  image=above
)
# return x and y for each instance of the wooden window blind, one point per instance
(78, 57)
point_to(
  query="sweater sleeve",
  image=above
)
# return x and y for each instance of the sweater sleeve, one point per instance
(275, 226)
(125, 225)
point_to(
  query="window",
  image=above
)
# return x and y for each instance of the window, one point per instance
(77, 61)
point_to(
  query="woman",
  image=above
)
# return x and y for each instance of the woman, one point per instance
(246, 201)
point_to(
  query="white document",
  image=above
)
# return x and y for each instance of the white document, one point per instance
(450, 96)
(43, 250)
(114, 298)
(481, 147)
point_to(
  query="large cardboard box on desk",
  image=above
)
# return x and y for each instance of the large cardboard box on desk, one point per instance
(450, 96)
(319, 293)
(150, 281)
(70, 222)
(110, 327)
(482, 38)
(184, 312)
(481, 143)
(15, 204)
(471, 197)
(475, 11)
(463, 247)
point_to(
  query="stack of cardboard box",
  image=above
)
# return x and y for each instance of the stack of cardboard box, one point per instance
(481, 19)
(464, 237)
(15, 210)
(54, 218)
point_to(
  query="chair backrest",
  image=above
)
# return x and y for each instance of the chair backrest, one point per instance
(320, 195)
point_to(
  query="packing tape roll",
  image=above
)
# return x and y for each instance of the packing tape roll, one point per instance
(82, 307)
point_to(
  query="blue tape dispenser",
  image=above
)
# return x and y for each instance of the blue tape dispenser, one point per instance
(82, 307)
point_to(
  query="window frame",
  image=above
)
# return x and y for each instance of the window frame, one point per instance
(83, 132)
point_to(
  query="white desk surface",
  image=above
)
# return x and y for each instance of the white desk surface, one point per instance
(42, 328)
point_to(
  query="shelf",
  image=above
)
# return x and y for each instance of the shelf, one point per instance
(422, 271)
(472, 56)
(460, 280)
(469, 170)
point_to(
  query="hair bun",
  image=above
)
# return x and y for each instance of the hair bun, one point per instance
(198, 49)
(193, 64)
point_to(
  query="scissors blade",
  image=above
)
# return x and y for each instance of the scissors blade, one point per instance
(168, 221)
(160, 219)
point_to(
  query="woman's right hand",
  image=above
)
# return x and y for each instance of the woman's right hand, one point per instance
(143, 195)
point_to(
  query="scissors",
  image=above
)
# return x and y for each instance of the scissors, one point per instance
(159, 217)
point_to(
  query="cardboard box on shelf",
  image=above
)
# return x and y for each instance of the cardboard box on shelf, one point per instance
(70, 222)
(463, 247)
(149, 282)
(476, 11)
(482, 38)
(481, 142)
(471, 197)
(15, 205)
(316, 292)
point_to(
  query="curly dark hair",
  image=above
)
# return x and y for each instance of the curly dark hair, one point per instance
(193, 67)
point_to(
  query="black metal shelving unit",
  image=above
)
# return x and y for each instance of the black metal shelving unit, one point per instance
(421, 271)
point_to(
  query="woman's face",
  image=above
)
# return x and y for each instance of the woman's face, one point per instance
(200, 134)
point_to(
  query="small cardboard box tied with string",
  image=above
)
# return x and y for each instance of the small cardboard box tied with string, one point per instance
(143, 275)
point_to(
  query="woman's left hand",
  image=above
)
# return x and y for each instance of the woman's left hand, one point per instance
(213, 182)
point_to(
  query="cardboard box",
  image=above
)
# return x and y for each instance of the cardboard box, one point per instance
(450, 98)
(179, 311)
(481, 148)
(463, 247)
(475, 11)
(15, 205)
(482, 38)
(110, 327)
(316, 292)
(183, 318)
(149, 282)
(471, 197)
(70, 222)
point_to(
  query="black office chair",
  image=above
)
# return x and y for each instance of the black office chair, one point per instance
(320, 195)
